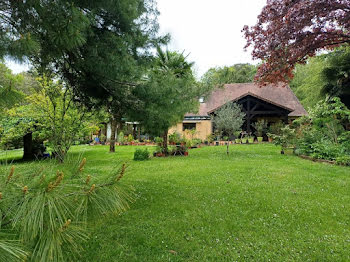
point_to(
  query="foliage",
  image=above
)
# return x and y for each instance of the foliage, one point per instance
(196, 141)
(11, 250)
(275, 128)
(141, 155)
(74, 38)
(289, 31)
(261, 127)
(237, 134)
(179, 150)
(9, 94)
(229, 118)
(211, 138)
(336, 75)
(322, 134)
(326, 74)
(158, 140)
(238, 73)
(102, 138)
(307, 83)
(174, 138)
(130, 138)
(169, 92)
(121, 138)
(51, 114)
(285, 139)
(48, 210)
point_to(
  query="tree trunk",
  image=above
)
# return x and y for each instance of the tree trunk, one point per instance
(227, 144)
(165, 142)
(134, 131)
(113, 132)
(139, 132)
(28, 153)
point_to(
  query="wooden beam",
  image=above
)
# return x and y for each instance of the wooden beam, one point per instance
(248, 115)
(261, 112)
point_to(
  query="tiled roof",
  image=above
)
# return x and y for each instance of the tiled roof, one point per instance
(279, 95)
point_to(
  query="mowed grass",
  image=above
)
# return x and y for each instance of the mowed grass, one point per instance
(253, 205)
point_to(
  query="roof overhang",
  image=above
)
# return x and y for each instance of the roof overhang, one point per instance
(256, 96)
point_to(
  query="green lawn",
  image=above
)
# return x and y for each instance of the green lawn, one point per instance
(253, 205)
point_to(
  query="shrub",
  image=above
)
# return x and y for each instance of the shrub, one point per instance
(211, 138)
(197, 141)
(121, 138)
(158, 140)
(286, 139)
(141, 154)
(275, 128)
(343, 160)
(130, 138)
(174, 138)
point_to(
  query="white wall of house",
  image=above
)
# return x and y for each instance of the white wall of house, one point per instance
(109, 132)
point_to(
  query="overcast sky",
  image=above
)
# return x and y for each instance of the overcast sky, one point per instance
(210, 31)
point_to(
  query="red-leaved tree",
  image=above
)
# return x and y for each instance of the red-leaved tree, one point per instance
(290, 31)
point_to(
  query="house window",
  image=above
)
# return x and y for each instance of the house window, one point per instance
(189, 126)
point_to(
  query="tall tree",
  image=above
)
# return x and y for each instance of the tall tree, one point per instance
(290, 31)
(97, 46)
(336, 75)
(308, 82)
(169, 92)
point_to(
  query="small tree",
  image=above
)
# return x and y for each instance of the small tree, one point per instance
(50, 114)
(229, 118)
(285, 139)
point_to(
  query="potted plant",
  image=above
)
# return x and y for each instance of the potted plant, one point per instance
(158, 152)
(237, 135)
(174, 138)
(130, 139)
(260, 127)
(250, 139)
(244, 139)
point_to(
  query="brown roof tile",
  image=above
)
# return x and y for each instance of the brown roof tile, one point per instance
(279, 95)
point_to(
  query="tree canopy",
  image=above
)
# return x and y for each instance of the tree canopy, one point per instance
(308, 82)
(336, 75)
(97, 46)
(290, 31)
(323, 75)
(238, 73)
(168, 93)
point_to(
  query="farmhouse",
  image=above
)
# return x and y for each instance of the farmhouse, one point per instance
(272, 103)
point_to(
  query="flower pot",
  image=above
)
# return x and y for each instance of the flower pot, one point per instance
(237, 141)
(260, 139)
(244, 140)
(185, 153)
(270, 139)
(250, 140)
